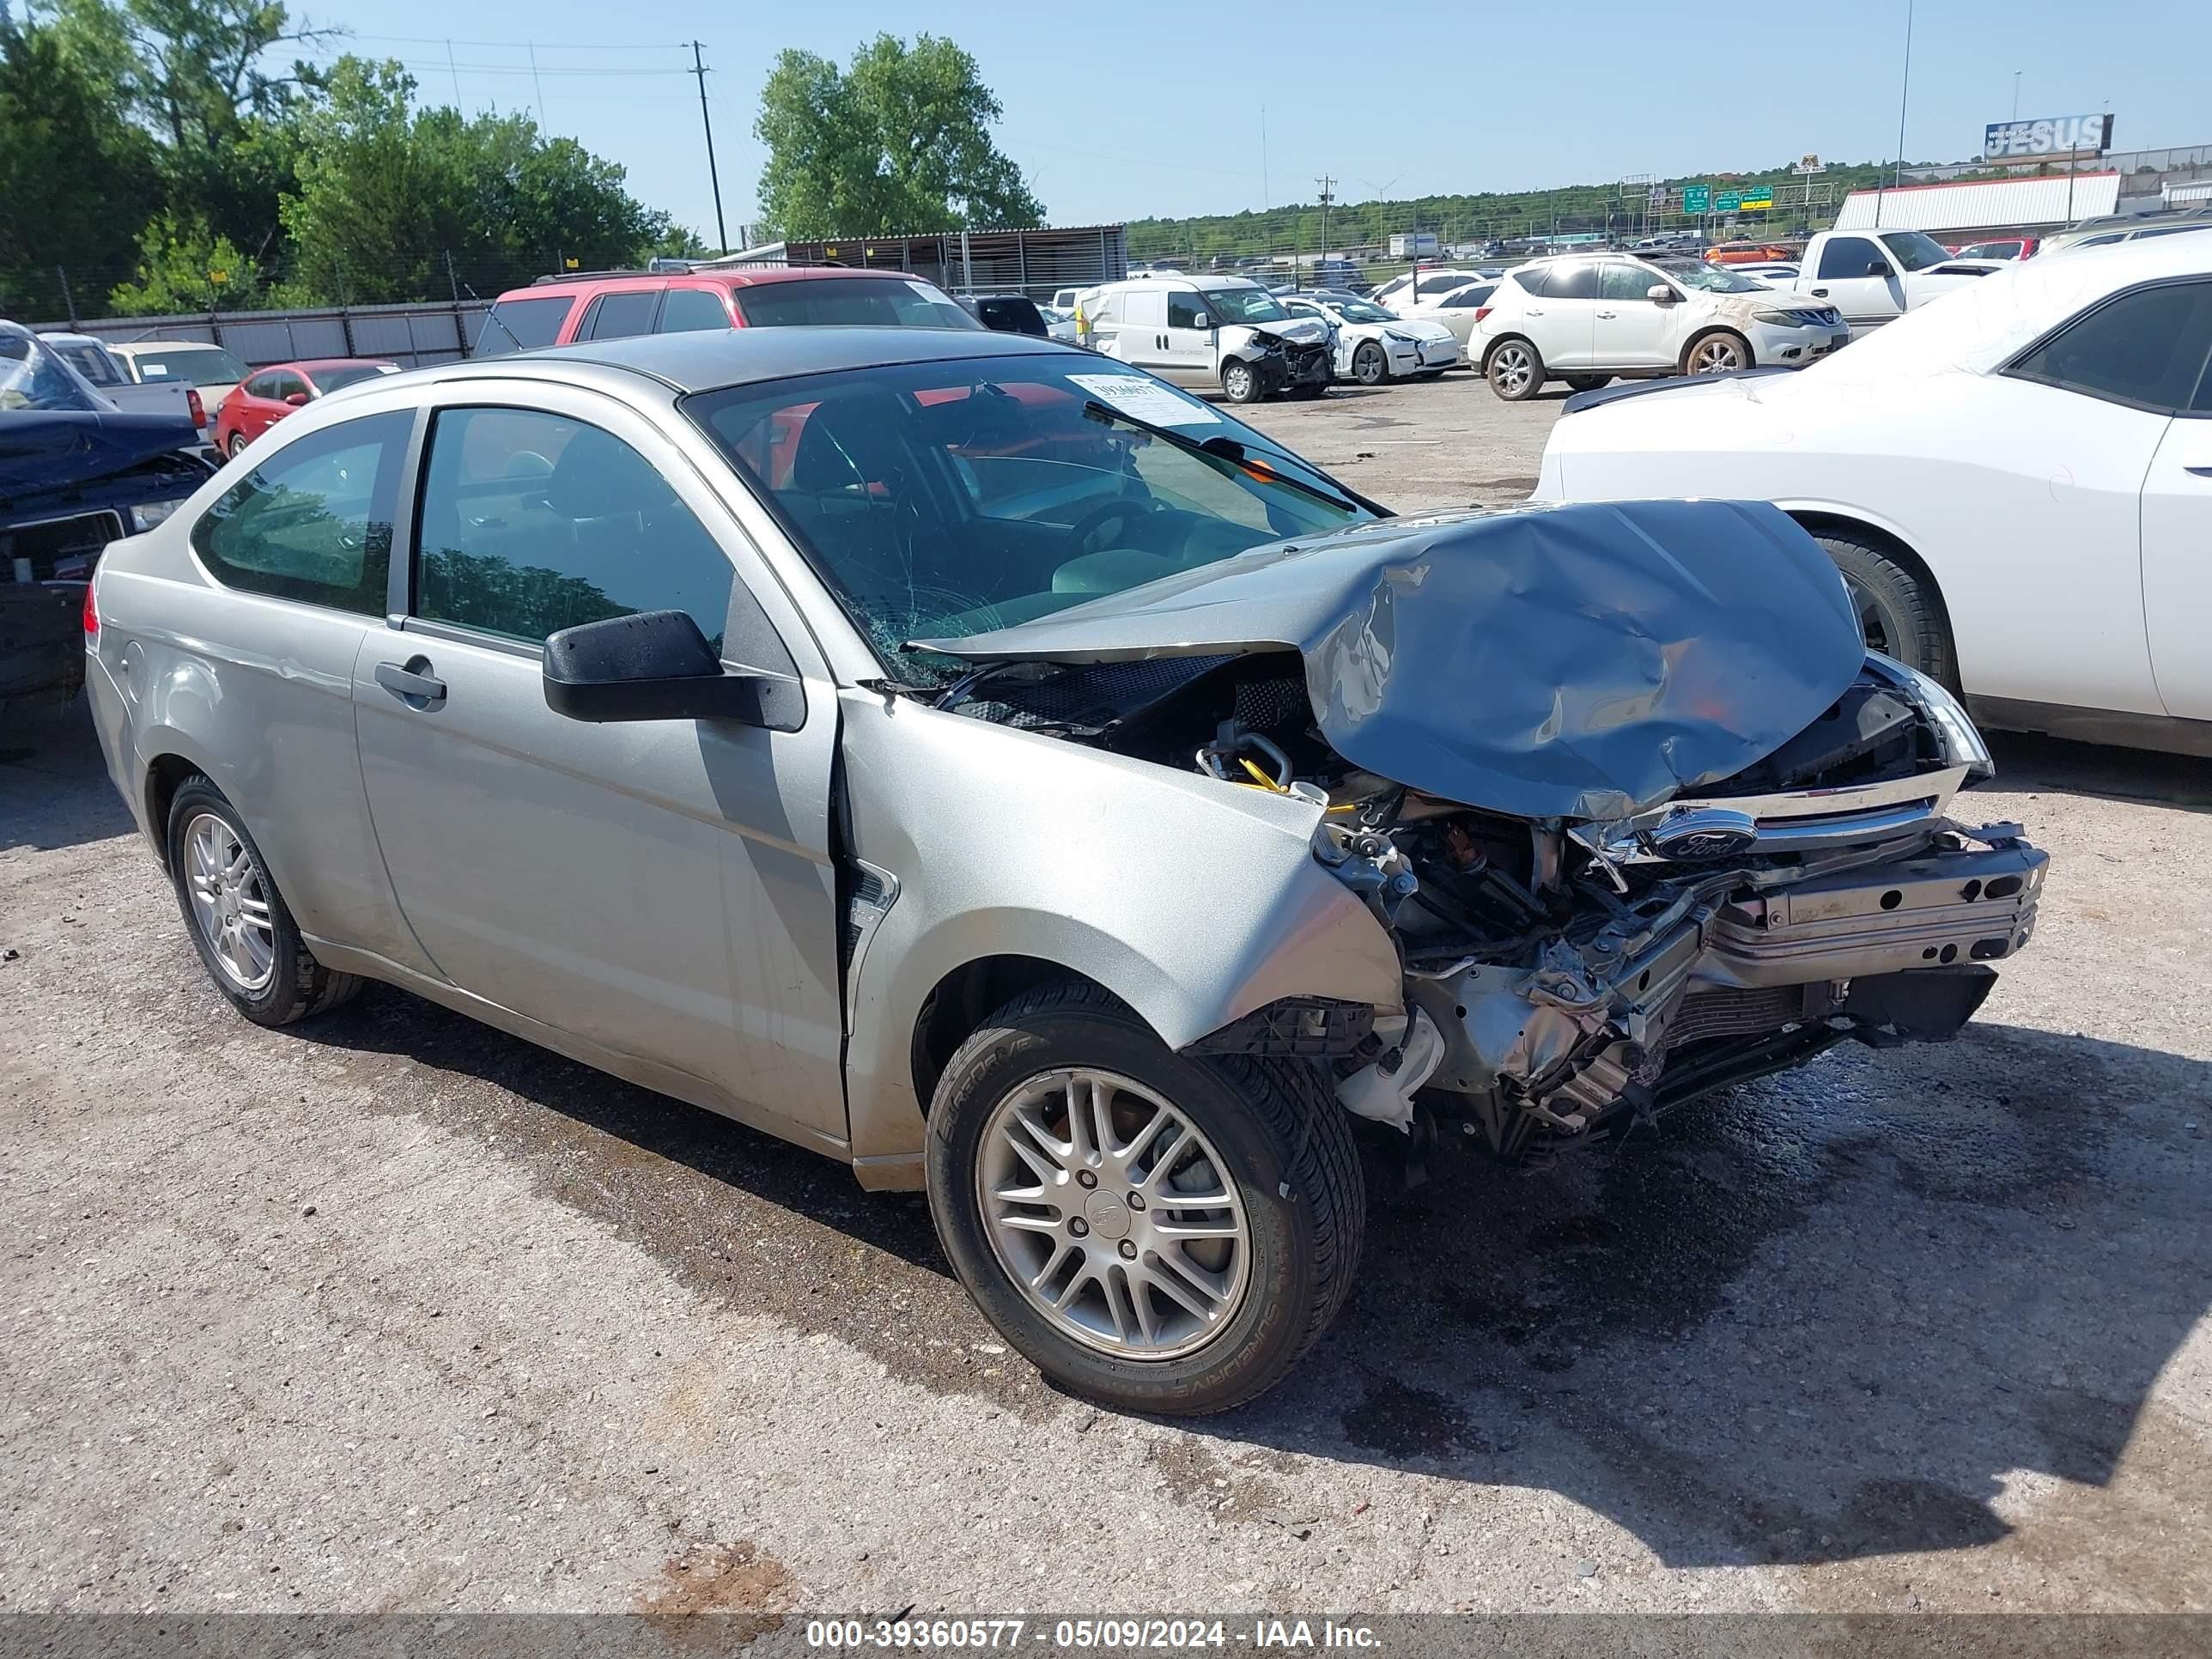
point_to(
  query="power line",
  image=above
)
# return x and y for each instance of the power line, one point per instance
(517, 45)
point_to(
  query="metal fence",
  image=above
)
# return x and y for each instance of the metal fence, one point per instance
(411, 335)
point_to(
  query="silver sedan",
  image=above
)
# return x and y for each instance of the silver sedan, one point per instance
(1003, 772)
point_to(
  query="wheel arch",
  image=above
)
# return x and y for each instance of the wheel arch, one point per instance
(1490, 347)
(1828, 521)
(166, 774)
(956, 1008)
(1707, 333)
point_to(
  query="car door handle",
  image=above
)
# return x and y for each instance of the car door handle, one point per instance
(1535, 311)
(1609, 313)
(411, 680)
(1820, 293)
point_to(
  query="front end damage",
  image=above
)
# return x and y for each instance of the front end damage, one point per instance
(1640, 813)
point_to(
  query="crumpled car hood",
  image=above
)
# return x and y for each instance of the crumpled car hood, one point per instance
(42, 450)
(1584, 661)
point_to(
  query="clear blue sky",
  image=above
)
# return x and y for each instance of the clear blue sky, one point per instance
(1116, 112)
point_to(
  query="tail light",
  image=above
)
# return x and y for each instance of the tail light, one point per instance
(91, 616)
(1481, 312)
(198, 409)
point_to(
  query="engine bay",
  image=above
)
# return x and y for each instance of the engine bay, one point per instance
(1569, 980)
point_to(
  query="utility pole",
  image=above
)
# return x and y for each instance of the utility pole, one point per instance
(539, 84)
(1904, 97)
(1324, 181)
(699, 68)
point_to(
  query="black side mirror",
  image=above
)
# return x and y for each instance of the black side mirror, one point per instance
(1877, 267)
(657, 666)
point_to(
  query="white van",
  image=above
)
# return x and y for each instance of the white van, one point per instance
(1226, 332)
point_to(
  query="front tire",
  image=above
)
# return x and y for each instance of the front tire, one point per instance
(1369, 366)
(1515, 370)
(1717, 353)
(1219, 1230)
(238, 920)
(1587, 382)
(1241, 382)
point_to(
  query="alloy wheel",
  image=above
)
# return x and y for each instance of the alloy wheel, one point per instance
(1115, 1216)
(1511, 368)
(1716, 355)
(230, 905)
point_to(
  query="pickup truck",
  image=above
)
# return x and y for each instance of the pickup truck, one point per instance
(1874, 276)
(89, 356)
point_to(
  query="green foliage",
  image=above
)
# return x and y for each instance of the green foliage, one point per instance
(186, 266)
(199, 77)
(66, 159)
(387, 191)
(898, 143)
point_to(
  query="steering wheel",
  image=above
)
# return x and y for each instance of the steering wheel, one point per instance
(1122, 506)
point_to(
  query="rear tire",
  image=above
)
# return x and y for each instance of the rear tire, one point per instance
(237, 445)
(1241, 382)
(1588, 382)
(1515, 370)
(238, 923)
(1899, 614)
(1267, 1133)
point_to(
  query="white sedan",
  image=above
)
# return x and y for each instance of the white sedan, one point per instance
(2016, 480)
(1373, 346)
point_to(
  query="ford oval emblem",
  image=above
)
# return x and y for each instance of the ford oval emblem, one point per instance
(1704, 833)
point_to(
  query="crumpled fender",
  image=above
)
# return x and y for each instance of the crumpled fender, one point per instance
(1194, 901)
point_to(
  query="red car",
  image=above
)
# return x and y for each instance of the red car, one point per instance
(614, 305)
(268, 395)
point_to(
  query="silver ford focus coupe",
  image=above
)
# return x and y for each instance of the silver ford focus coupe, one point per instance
(999, 770)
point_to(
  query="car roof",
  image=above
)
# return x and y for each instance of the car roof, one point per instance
(753, 277)
(127, 346)
(310, 364)
(708, 359)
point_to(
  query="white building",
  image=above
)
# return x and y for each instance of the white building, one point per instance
(1984, 205)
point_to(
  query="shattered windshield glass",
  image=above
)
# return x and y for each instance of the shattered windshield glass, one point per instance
(949, 498)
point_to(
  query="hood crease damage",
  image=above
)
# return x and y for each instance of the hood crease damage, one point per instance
(1583, 662)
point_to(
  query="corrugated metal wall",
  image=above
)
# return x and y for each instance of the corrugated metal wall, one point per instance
(410, 335)
(1990, 204)
(1034, 261)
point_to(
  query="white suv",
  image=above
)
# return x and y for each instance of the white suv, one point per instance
(1586, 317)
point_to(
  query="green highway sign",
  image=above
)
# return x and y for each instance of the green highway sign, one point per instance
(1728, 201)
(1697, 198)
(1760, 197)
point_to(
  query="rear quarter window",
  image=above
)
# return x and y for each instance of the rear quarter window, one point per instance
(312, 523)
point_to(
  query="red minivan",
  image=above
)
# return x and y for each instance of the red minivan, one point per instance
(614, 305)
(268, 395)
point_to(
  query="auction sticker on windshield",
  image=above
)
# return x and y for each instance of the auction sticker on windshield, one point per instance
(1147, 400)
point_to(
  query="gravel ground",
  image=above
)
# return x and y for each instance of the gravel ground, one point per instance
(390, 1311)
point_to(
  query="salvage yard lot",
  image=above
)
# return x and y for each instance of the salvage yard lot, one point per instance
(391, 1311)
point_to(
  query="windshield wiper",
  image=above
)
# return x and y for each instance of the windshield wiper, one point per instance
(1227, 449)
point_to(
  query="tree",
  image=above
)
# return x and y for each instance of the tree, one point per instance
(396, 203)
(198, 75)
(898, 143)
(68, 162)
(185, 266)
